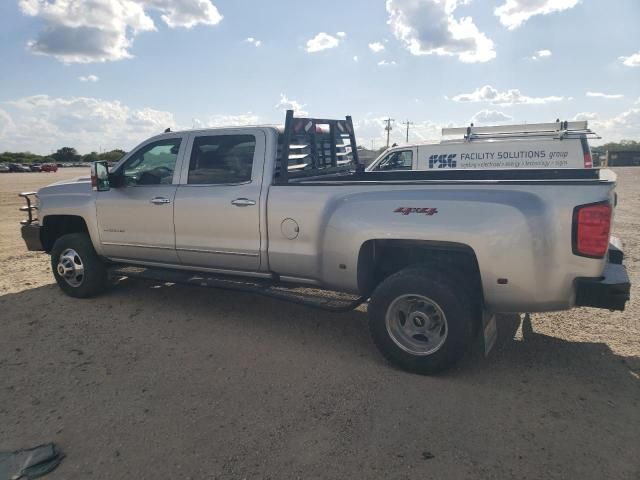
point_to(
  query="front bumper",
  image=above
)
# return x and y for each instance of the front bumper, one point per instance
(31, 237)
(611, 290)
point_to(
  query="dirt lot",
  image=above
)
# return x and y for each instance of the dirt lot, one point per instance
(150, 382)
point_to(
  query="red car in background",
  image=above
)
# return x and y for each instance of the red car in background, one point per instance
(49, 167)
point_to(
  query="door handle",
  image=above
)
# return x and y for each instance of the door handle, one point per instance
(160, 200)
(243, 202)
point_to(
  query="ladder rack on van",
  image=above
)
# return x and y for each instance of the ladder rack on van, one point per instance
(557, 130)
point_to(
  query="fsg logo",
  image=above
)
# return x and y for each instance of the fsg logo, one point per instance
(448, 160)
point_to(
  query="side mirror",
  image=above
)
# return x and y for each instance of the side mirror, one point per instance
(100, 176)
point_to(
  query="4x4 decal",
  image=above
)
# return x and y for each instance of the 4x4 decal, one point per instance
(407, 210)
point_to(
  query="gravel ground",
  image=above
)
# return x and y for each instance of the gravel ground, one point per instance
(177, 382)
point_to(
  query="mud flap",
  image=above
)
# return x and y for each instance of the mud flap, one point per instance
(489, 331)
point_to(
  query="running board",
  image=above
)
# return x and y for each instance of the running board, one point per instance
(312, 297)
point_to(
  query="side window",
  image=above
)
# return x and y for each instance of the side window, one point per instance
(221, 159)
(153, 164)
(398, 160)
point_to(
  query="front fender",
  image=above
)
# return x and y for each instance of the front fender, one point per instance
(75, 199)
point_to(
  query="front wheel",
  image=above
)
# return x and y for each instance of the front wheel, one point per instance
(76, 266)
(420, 321)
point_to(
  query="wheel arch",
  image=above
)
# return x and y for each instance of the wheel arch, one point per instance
(380, 258)
(55, 226)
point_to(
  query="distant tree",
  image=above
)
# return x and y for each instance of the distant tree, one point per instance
(90, 157)
(66, 155)
(20, 157)
(623, 145)
(112, 156)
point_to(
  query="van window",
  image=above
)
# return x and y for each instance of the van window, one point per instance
(398, 160)
(221, 159)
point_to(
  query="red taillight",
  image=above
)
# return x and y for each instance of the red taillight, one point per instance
(591, 226)
(586, 152)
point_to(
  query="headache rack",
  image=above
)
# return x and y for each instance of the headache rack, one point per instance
(556, 130)
(311, 147)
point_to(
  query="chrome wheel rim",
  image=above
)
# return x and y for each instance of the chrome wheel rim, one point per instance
(70, 267)
(416, 324)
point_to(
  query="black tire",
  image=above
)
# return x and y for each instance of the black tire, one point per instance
(460, 312)
(94, 277)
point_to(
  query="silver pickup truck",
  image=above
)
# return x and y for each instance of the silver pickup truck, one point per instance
(435, 253)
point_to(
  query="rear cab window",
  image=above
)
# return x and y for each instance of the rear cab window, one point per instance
(221, 159)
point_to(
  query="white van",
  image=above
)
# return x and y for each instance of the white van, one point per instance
(529, 146)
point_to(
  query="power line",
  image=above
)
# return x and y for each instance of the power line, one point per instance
(408, 123)
(388, 128)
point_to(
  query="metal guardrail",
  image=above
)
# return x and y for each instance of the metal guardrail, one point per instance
(29, 208)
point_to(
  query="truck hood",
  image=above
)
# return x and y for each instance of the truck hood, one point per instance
(79, 185)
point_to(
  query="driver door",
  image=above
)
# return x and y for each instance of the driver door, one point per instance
(396, 160)
(135, 218)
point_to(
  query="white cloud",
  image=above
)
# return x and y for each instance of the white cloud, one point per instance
(341, 34)
(89, 78)
(631, 60)
(541, 54)
(608, 96)
(372, 128)
(227, 120)
(254, 42)
(322, 41)
(6, 123)
(508, 97)
(384, 63)
(355, 58)
(514, 13)
(586, 116)
(85, 31)
(287, 104)
(428, 27)
(41, 123)
(376, 47)
(185, 13)
(490, 116)
(624, 126)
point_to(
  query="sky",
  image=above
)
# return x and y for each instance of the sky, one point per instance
(103, 74)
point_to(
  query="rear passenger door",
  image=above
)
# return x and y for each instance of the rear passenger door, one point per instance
(217, 205)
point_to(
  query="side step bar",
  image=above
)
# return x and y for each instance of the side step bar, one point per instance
(312, 297)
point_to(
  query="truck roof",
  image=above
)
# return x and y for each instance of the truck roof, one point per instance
(278, 128)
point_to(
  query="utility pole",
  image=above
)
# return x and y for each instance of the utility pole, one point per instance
(407, 123)
(388, 128)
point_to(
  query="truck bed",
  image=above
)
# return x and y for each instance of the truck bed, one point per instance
(564, 175)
